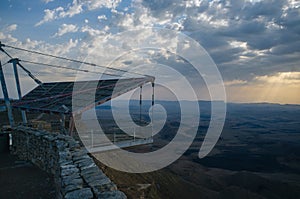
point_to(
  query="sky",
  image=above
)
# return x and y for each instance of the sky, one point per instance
(255, 44)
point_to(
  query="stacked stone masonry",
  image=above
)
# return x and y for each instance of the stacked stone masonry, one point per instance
(75, 173)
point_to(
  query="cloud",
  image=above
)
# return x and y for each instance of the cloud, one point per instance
(66, 28)
(292, 78)
(93, 32)
(248, 41)
(244, 38)
(92, 5)
(48, 1)
(235, 82)
(50, 15)
(267, 36)
(12, 27)
(102, 17)
(75, 8)
(251, 41)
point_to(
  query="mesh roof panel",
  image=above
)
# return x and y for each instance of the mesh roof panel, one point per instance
(56, 97)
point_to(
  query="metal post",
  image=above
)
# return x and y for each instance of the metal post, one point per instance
(152, 93)
(6, 98)
(141, 98)
(152, 120)
(15, 62)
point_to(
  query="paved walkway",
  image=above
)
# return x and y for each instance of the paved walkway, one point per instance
(20, 179)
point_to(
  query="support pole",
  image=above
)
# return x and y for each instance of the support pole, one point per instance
(6, 98)
(15, 62)
(152, 93)
(141, 98)
(152, 119)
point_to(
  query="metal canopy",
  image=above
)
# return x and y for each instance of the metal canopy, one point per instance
(56, 97)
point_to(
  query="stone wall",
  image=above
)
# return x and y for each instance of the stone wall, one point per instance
(75, 173)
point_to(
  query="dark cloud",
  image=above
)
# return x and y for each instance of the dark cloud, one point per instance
(267, 8)
(226, 55)
(160, 8)
(286, 49)
(271, 29)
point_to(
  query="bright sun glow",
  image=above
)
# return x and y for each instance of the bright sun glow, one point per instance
(283, 88)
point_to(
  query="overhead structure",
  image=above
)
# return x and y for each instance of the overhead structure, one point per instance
(56, 97)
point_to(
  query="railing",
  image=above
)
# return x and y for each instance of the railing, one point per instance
(95, 139)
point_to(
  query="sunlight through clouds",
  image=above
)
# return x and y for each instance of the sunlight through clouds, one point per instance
(282, 87)
(291, 78)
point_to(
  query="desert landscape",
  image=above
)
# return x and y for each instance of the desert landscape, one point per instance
(257, 156)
